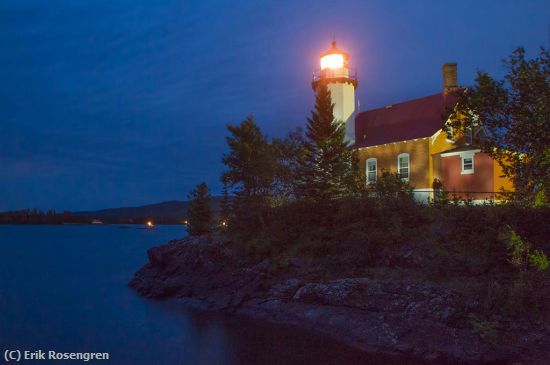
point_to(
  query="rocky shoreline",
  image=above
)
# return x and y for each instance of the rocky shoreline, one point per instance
(397, 317)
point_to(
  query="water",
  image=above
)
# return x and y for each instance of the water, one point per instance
(63, 288)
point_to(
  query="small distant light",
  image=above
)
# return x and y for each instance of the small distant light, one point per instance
(150, 224)
(186, 222)
(223, 223)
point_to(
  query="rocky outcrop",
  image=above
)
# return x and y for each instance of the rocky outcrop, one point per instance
(405, 318)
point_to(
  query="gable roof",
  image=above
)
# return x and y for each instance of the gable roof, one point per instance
(412, 119)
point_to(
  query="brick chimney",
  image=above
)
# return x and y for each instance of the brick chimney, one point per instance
(449, 77)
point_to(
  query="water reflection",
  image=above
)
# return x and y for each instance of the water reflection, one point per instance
(64, 289)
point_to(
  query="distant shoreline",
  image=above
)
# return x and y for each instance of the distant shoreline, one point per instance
(173, 212)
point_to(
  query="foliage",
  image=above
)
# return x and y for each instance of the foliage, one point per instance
(327, 169)
(290, 152)
(521, 254)
(251, 160)
(518, 250)
(503, 268)
(389, 186)
(513, 116)
(252, 167)
(538, 260)
(199, 215)
(524, 291)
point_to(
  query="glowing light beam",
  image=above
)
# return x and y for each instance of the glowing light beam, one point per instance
(334, 60)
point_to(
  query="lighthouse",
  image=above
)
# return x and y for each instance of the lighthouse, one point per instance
(341, 81)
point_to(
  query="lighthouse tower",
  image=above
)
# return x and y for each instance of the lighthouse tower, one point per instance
(342, 82)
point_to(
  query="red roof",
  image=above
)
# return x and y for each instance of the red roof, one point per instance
(412, 119)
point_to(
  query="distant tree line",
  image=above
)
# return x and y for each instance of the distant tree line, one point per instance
(34, 216)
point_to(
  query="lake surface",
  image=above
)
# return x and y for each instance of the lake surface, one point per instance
(63, 288)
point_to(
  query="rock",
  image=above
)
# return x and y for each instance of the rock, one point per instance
(446, 313)
(262, 266)
(158, 255)
(285, 290)
(410, 317)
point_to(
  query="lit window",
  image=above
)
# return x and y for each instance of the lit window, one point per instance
(403, 166)
(371, 170)
(467, 165)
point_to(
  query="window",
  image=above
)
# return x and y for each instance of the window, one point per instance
(371, 170)
(403, 166)
(467, 165)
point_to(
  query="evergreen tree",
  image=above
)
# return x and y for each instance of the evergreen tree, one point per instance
(252, 165)
(290, 153)
(327, 170)
(199, 214)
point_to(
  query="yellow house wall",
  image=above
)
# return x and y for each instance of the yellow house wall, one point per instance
(425, 161)
(501, 182)
(386, 155)
(438, 143)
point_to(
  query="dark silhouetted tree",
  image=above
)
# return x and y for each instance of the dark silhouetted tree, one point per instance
(513, 115)
(290, 153)
(199, 213)
(225, 207)
(252, 165)
(327, 170)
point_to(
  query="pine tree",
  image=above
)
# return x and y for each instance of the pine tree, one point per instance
(252, 167)
(199, 214)
(251, 160)
(290, 154)
(327, 167)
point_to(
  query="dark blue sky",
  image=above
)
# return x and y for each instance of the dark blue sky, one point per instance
(115, 103)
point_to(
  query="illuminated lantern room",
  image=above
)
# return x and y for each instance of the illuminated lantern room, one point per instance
(341, 81)
(334, 66)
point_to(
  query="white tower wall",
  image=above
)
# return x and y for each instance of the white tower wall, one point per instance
(343, 98)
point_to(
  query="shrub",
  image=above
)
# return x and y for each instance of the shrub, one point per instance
(538, 260)
(389, 186)
(525, 291)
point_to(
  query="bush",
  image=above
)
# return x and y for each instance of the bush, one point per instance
(390, 186)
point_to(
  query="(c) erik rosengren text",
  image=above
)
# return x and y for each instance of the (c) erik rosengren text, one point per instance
(37, 355)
